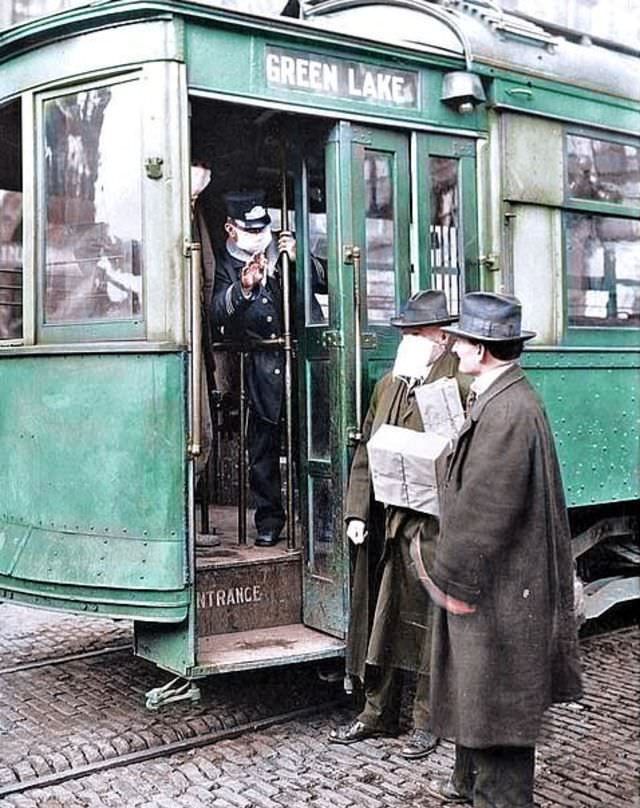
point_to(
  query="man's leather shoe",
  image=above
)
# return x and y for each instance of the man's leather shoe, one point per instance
(421, 743)
(445, 791)
(356, 731)
(267, 538)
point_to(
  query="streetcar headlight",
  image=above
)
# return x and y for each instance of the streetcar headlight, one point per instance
(462, 90)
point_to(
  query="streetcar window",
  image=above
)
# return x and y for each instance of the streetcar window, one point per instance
(10, 223)
(316, 289)
(603, 257)
(444, 228)
(93, 234)
(380, 236)
(603, 170)
(602, 241)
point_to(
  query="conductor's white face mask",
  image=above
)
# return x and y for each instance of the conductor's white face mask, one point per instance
(252, 242)
(415, 354)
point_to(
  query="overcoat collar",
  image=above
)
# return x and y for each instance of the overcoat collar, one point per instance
(512, 376)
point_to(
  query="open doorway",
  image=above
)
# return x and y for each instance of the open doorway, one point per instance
(260, 165)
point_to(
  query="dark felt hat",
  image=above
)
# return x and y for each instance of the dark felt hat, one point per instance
(488, 317)
(247, 208)
(424, 308)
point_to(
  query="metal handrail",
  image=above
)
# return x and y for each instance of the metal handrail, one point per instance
(195, 442)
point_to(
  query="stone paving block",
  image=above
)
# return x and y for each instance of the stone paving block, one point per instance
(192, 774)
(231, 797)
(208, 769)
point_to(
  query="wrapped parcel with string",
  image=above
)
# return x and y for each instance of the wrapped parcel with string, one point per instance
(440, 407)
(403, 467)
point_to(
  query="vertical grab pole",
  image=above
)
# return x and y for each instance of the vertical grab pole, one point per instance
(242, 457)
(195, 444)
(357, 295)
(285, 266)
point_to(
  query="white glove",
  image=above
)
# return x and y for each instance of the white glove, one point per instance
(356, 531)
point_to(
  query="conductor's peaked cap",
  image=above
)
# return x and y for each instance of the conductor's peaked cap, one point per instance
(247, 209)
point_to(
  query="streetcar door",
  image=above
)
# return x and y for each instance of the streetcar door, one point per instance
(347, 342)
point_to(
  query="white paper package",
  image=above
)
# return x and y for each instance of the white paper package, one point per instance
(403, 467)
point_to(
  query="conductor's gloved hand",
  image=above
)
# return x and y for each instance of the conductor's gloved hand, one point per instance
(356, 531)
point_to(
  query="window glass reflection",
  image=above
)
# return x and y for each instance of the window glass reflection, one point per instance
(318, 409)
(380, 237)
(93, 205)
(603, 170)
(317, 293)
(321, 507)
(444, 229)
(10, 223)
(604, 270)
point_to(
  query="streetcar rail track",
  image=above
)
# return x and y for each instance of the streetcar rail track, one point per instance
(165, 750)
(45, 663)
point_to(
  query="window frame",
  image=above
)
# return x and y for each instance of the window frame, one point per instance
(585, 335)
(90, 330)
(10, 342)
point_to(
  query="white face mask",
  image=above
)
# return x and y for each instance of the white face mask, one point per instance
(200, 178)
(252, 243)
(415, 354)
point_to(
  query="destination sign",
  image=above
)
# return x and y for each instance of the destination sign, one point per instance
(340, 78)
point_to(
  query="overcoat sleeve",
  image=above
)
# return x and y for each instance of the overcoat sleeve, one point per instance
(229, 303)
(359, 490)
(485, 493)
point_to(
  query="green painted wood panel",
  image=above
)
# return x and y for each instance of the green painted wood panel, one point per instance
(93, 496)
(564, 102)
(593, 403)
(239, 69)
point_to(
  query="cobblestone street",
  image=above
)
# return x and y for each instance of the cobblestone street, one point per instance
(82, 712)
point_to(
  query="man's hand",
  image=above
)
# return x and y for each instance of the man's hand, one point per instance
(253, 272)
(356, 531)
(287, 243)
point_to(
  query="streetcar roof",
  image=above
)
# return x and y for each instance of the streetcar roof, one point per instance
(480, 32)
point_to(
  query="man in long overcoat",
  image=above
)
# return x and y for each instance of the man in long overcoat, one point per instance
(504, 641)
(247, 305)
(390, 624)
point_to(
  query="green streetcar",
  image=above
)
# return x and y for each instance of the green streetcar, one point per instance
(409, 145)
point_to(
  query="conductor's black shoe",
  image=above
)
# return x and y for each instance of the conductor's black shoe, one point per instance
(445, 791)
(356, 731)
(421, 743)
(267, 538)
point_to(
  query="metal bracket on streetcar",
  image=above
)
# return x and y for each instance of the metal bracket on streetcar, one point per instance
(172, 691)
(349, 253)
(153, 167)
(491, 262)
(332, 339)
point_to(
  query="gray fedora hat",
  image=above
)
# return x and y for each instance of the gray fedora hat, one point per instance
(488, 317)
(424, 308)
